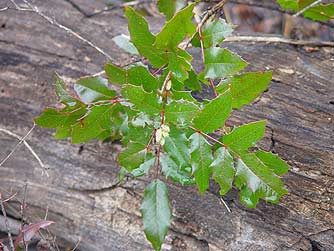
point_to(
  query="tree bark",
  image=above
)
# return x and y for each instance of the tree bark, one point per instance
(299, 108)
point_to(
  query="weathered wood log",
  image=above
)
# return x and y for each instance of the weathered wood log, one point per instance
(79, 192)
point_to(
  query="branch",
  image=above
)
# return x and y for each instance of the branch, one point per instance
(11, 243)
(22, 140)
(307, 8)
(278, 40)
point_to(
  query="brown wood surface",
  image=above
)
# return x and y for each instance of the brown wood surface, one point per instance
(299, 107)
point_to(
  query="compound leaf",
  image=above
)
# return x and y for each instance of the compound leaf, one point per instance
(176, 29)
(173, 171)
(257, 181)
(144, 168)
(180, 112)
(123, 42)
(201, 158)
(215, 31)
(143, 101)
(92, 89)
(245, 136)
(143, 39)
(133, 156)
(156, 213)
(245, 87)
(221, 63)
(275, 163)
(62, 93)
(94, 122)
(214, 113)
(169, 7)
(177, 147)
(223, 169)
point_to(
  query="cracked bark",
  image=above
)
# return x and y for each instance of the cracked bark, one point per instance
(80, 193)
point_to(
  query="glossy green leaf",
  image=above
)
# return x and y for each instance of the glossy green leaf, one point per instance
(257, 181)
(143, 101)
(156, 213)
(62, 93)
(51, 118)
(94, 122)
(177, 147)
(245, 136)
(143, 39)
(123, 42)
(180, 112)
(223, 169)
(179, 66)
(214, 32)
(92, 89)
(321, 12)
(214, 113)
(221, 63)
(289, 4)
(245, 87)
(137, 75)
(133, 156)
(144, 168)
(192, 83)
(176, 29)
(173, 171)
(275, 163)
(169, 7)
(201, 158)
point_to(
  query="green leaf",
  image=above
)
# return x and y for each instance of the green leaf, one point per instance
(180, 112)
(257, 181)
(140, 75)
(321, 12)
(192, 83)
(173, 171)
(214, 113)
(201, 158)
(63, 94)
(143, 168)
(143, 101)
(137, 75)
(221, 63)
(133, 156)
(289, 4)
(179, 66)
(214, 32)
(275, 163)
(94, 122)
(223, 170)
(169, 7)
(245, 136)
(51, 118)
(176, 29)
(156, 213)
(62, 120)
(177, 147)
(93, 89)
(245, 87)
(143, 39)
(123, 42)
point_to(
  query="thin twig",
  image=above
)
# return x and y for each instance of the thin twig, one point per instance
(3, 9)
(224, 203)
(11, 243)
(23, 206)
(259, 39)
(307, 8)
(76, 245)
(22, 140)
(68, 30)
